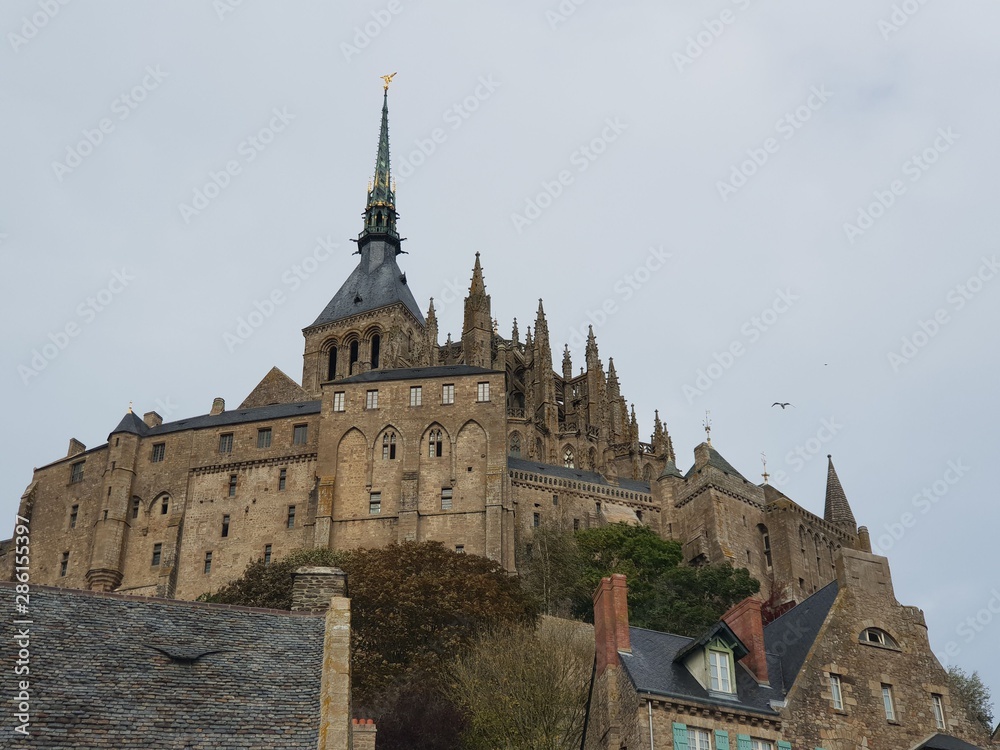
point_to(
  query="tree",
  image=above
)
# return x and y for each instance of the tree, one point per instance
(550, 568)
(521, 687)
(970, 692)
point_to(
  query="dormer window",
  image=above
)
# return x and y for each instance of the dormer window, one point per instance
(719, 671)
(877, 637)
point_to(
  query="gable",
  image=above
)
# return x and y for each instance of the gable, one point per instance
(275, 388)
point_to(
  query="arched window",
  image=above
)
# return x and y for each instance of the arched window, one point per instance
(331, 368)
(389, 446)
(435, 447)
(878, 637)
(568, 460)
(515, 444)
(354, 356)
(376, 350)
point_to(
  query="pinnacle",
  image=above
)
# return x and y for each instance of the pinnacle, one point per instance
(837, 509)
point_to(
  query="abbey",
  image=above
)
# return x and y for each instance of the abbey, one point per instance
(392, 435)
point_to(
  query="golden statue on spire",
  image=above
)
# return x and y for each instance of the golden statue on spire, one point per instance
(388, 80)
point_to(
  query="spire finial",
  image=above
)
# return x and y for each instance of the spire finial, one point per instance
(129, 407)
(387, 79)
(763, 460)
(707, 424)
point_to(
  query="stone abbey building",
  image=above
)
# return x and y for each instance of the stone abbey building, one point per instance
(393, 435)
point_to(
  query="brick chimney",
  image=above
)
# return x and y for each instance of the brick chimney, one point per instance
(746, 621)
(611, 621)
(363, 734)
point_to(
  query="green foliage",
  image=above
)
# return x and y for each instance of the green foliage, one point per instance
(551, 571)
(522, 687)
(270, 586)
(970, 692)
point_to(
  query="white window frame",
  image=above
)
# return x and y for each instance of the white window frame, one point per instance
(756, 744)
(888, 703)
(483, 392)
(448, 393)
(338, 401)
(375, 504)
(371, 399)
(937, 702)
(699, 739)
(836, 692)
(416, 395)
(719, 673)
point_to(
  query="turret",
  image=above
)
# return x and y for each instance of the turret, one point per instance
(477, 329)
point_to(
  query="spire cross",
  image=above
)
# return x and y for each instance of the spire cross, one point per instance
(763, 460)
(708, 427)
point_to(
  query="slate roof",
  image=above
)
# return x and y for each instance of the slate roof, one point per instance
(787, 639)
(375, 282)
(716, 461)
(132, 424)
(652, 669)
(236, 416)
(837, 509)
(577, 475)
(945, 742)
(416, 373)
(98, 679)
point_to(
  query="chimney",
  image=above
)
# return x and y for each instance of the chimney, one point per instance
(152, 419)
(75, 447)
(314, 587)
(746, 621)
(363, 734)
(864, 539)
(865, 573)
(218, 406)
(611, 621)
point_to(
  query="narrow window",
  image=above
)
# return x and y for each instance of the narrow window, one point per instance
(226, 443)
(888, 704)
(338, 401)
(208, 563)
(264, 437)
(938, 703)
(267, 554)
(448, 393)
(555, 499)
(76, 472)
(434, 445)
(638, 517)
(515, 445)
(767, 549)
(225, 526)
(483, 392)
(446, 496)
(718, 667)
(331, 364)
(354, 357)
(568, 461)
(64, 564)
(836, 693)
(300, 434)
(536, 520)
(375, 503)
(282, 479)
(164, 505)
(159, 451)
(73, 512)
(376, 350)
(576, 524)
(371, 401)
(291, 517)
(699, 739)
(157, 550)
(389, 446)
(232, 485)
(416, 395)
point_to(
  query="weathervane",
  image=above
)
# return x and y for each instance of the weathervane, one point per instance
(763, 460)
(708, 427)
(388, 80)
(129, 407)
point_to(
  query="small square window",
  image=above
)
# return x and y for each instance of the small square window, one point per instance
(267, 554)
(460, 549)
(416, 395)
(282, 479)
(264, 437)
(157, 552)
(448, 393)
(291, 517)
(73, 513)
(371, 400)
(232, 485)
(76, 472)
(375, 503)
(836, 692)
(225, 526)
(555, 499)
(159, 451)
(208, 563)
(300, 434)
(63, 564)
(483, 392)
(226, 443)
(446, 496)
(338, 401)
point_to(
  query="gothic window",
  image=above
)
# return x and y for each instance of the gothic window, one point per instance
(435, 447)
(354, 356)
(331, 367)
(515, 444)
(164, 505)
(376, 350)
(568, 461)
(389, 446)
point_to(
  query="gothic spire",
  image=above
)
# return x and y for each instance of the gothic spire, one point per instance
(478, 286)
(380, 210)
(431, 314)
(614, 387)
(514, 336)
(567, 364)
(837, 509)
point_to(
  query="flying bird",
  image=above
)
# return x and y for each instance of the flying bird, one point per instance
(782, 405)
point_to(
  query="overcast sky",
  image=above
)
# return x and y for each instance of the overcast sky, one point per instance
(751, 201)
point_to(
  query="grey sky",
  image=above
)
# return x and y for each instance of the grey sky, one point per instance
(669, 104)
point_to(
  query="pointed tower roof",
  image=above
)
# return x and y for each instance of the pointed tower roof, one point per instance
(431, 314)
(706, 456)
(837, 509)
(377, 281)
(132, 424)
(478, 286)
